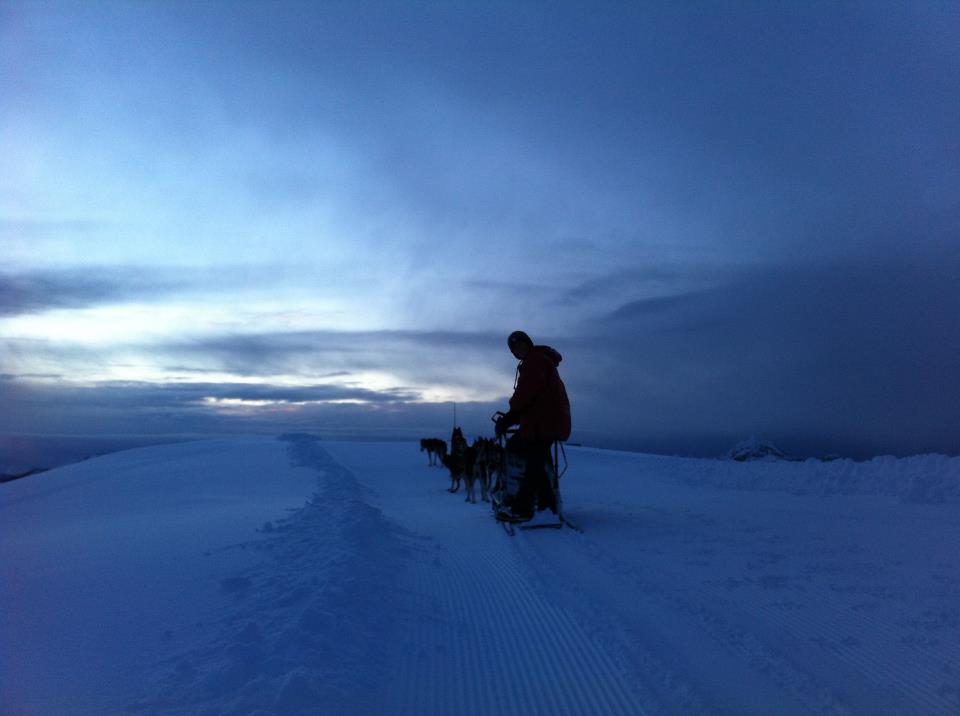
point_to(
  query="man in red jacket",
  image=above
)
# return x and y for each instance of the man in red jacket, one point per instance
(540, 407)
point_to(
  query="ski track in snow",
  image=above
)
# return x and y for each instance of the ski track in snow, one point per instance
(297, 640)
(445, 620)
(614, 622)
(489, 640)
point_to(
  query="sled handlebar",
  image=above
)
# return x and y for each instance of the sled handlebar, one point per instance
(496, 416)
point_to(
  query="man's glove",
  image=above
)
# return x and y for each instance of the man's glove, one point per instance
(503, 424)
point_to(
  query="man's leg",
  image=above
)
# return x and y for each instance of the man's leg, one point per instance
(515, 458)
(547, 497)
(540, 456)
(534, 482)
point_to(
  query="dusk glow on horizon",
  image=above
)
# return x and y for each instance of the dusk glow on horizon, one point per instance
(729, 218)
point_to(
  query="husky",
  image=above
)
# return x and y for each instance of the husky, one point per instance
(486, 464)
(456, 471)
(456, 461)
(470, 464)
(471, 472)
(435, 447)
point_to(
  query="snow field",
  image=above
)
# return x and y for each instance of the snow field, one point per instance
(109, 564)
(295, 576)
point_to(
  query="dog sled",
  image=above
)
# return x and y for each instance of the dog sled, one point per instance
(509, 474)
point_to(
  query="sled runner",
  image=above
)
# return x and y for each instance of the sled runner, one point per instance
(509, 474)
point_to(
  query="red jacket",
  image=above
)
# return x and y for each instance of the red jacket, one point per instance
(539, 401)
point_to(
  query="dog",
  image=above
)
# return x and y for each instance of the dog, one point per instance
(486, 464)
(471, 472)
(456, 461)
(470, 464)
(435, 447)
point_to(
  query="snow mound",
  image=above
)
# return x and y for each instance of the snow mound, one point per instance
(306, 624)
(921, 479)
(755, 448)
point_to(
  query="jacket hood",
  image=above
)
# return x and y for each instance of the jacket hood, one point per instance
(550, 353)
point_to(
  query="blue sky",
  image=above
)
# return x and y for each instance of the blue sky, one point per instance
(729, 217)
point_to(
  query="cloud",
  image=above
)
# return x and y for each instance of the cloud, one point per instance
(39, 228)
(851, 358)
(186, 398)
(424, 355)
(861, 355)
(31, 376)
(661, 305)
(38, 291)
(186, 409)
(376, 366)
(244, 392)
(607, 285)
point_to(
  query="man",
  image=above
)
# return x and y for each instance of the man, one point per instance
(540, 407)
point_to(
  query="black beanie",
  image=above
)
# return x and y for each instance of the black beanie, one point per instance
(519, 337)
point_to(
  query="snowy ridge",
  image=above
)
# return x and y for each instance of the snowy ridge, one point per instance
(920, 479)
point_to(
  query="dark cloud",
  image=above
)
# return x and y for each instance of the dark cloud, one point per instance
(180, 409)
(427, 356)
(31, 376)
(850, 358)
(35, 291)
(184, 395)
(860, 355)
(605, 286)
(38, 291)
(660, 305)
(38, 228)
(318, 393)
(417, 358)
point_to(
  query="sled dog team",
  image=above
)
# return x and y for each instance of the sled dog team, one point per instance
(467, 463)
(540, 409)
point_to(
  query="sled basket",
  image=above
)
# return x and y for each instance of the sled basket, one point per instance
(511, 467)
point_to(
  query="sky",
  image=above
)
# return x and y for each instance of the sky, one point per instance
(730, 218)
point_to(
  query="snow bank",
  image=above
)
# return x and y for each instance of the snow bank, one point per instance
(114, 565)
(928, 479)
(755, 448)
(306, 625)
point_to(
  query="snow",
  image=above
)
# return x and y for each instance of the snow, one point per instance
(755, 448)
(296, 576)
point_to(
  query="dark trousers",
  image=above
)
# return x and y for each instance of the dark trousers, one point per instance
(535, 483)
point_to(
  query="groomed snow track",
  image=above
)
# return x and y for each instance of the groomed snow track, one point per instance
(709, 602)
(488, 637)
